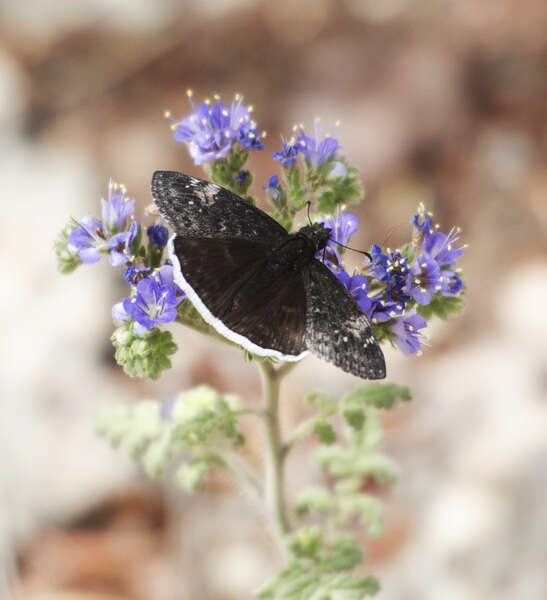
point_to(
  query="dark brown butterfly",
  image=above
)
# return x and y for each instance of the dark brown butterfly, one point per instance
(258, 285)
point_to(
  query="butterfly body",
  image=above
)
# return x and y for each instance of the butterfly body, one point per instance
(258, 285)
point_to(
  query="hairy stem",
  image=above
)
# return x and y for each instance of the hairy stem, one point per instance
(274, 484)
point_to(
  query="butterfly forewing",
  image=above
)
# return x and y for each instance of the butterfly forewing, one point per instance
(336, 328)
(234, 281)
(198, 208)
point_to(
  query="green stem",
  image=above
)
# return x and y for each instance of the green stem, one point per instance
(274, 483)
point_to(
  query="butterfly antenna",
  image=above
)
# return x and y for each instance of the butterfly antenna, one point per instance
(367, 254)
(308, 204)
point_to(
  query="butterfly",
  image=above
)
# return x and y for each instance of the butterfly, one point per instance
(258, 285)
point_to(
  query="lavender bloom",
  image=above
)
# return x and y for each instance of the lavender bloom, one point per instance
(440, 247)
(339, 169)
(120, 245)
(165, 277)
(424, 279)
(451, 284)
(241, 176)
(89, 239)
(117, 208)
(152, 304)
(407, 335)
(315, 149)
(357, 286)
(342, 227)
(384, 308)
(157, 234)
(422, 221)
(135, 273)
(210, 130)
(289, 153)
(119, 315)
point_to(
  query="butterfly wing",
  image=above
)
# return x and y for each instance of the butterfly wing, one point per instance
(336, 328)
(232, 284)
(198, 208)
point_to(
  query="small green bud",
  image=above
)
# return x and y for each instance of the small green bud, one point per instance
(67, 258)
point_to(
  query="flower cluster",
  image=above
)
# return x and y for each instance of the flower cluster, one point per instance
(213, 128)
(396, 286)
(154, 296)
(397, 289)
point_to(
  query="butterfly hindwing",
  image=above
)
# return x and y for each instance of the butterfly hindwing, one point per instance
(238, 293)
(336, 329)
(198, 208)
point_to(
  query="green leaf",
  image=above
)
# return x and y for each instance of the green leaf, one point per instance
(343, 558)
(323, 402)
(355, 417)
(442, 306)
(325, 432)
(314, 498)
(379, 395)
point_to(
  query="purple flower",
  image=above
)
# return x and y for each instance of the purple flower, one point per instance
(357, 286)
(339, 169)
(242, 176)
(342, 227)
(441, 247)
(272, 189)
(422, 220)
(315, 149)
(135, 273)
(119, 315)
(157, 234)
(117, 208)
(211, 129)
(424, 279)
(120, 245)
(451, 284)
(152, 304)
(407, 335)
(384, 308)
(165, 277)
(289, 153)
(89, 239)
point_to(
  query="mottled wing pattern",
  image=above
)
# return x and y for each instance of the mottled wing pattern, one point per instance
(198, 208)
(236, 283)
(336, 329)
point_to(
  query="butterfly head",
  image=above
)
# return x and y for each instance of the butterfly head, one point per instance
(317, 234)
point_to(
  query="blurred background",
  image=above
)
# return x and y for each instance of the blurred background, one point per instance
(442, 102)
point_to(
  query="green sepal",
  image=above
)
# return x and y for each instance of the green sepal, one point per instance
(142, 357)
(443, 306)
(67, 259)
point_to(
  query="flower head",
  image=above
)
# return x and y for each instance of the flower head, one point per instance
(165, 277)
(120, 245)
(117, 208)
(342, 227)
(357, 286)
(152, 304)
(407, 332)
(212, 128)
(89, 239)
(317, 148)
(441, 247)
(120, 315)
(289, 153)
(424, 279)
(157, 234)
(135, 273)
